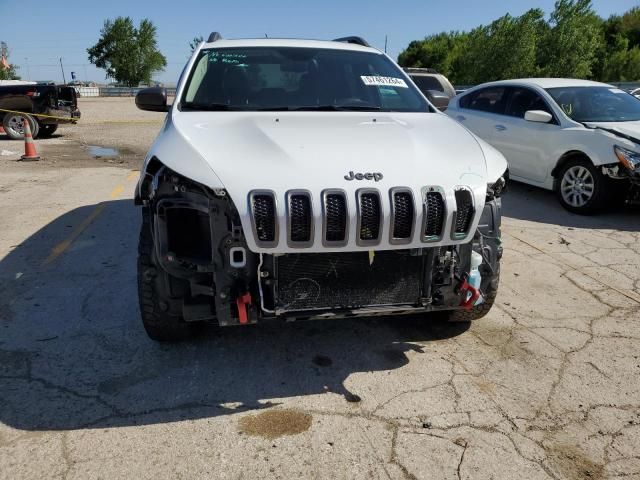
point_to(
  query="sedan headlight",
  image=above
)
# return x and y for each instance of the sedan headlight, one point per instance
(628, 158)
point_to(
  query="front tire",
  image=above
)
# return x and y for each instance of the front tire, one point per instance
(479, 311)
(582, 188)
(159, 322)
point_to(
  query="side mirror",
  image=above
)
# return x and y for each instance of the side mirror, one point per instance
(439, 99)
(153, 99)
(538, 116)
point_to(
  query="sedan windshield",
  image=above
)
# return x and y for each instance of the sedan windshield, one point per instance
(281, 78)
(596, 104)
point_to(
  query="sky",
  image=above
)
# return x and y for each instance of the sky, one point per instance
(54, 30)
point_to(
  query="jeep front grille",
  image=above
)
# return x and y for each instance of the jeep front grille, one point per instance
(263, 206)
(464, 212)
(403, 215)
(434, 215)
(335, 218)
(369, 218)
(300, 218)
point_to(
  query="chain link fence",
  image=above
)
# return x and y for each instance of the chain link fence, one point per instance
(114, 91)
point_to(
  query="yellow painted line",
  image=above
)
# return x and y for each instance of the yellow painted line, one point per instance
(133, 175)
(60, 248)
(117, 191)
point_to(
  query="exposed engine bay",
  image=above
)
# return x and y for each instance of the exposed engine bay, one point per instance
(212, 275)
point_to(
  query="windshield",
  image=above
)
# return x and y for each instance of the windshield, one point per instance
(596, 104)
(279, 78)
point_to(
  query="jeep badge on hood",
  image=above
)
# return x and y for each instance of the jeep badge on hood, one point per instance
(364, 176)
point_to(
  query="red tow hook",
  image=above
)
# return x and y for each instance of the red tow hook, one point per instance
(465, 288)
(242, 302)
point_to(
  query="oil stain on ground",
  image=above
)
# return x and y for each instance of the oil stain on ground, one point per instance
(276, 423)
(574, 464)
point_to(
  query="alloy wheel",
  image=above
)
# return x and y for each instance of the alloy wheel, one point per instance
(577, 186)
(16, 123)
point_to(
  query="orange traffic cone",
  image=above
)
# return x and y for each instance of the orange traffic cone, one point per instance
(30, 152)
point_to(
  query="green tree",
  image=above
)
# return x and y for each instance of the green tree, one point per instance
(507, 48)
(630, 26)
(129, 55)
(434, 51)
(9, 73)
(193, 44)
(574, 42)
(617, 58)
(575, 35)
(620, 63)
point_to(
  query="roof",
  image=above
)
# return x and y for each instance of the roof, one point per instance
(288, 42)
(550, 82)
(5, 83)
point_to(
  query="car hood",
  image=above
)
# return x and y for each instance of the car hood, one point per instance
(315, 151)
(630, 129)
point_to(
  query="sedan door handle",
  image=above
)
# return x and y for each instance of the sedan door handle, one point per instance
(500, 128)
(460, 117)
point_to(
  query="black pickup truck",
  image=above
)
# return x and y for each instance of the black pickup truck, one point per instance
(46, 107)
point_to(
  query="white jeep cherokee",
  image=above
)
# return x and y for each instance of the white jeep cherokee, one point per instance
(299, 179)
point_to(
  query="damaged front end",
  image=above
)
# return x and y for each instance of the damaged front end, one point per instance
(627, 170)
(200, 247)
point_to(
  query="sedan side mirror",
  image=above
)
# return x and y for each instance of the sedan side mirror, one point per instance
(439, 99)
(538, 116)
(153, 99)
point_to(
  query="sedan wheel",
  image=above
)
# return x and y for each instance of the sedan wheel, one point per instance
(582, 187)
(577, 186)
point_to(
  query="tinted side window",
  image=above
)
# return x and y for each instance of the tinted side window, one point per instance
(492, 100)
(425, 83)
(522, 100)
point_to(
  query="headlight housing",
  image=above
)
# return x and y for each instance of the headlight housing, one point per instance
(628, 158)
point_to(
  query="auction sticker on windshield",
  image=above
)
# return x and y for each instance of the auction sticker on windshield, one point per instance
(374, 80)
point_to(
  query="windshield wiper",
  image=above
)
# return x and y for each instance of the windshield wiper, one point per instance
(209, 107)
(339, 108)
(273, 109)
(223, 107)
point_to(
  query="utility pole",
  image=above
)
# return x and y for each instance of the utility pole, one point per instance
(64, 80)
(28, 70)
(385, 44)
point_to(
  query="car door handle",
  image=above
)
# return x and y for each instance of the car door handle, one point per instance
(500, 128)
(460, 117)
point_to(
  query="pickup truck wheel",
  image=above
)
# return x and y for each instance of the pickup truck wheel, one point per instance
(582, 188)
(13, 124)
(48, 129)
(153, 288)
(481, 310)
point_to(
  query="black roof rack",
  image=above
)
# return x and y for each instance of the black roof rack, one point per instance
(214, 37)
(355, 40)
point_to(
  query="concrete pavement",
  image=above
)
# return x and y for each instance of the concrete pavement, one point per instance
(545, 387)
